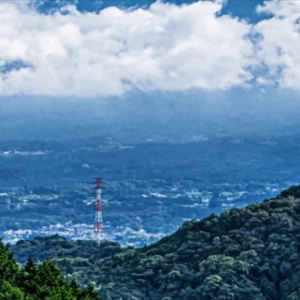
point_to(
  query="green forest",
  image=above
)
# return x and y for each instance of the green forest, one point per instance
(245, 253)
(37, 281)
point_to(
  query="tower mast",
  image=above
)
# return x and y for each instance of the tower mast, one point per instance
(98, 227)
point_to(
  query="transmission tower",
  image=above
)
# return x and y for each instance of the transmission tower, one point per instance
(98, 227)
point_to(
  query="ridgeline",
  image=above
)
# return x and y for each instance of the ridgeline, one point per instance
(245, 253)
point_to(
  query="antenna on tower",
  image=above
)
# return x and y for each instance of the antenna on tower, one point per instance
(98, 227)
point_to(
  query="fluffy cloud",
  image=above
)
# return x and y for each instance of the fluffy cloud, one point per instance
(164, 47)
(279, 43)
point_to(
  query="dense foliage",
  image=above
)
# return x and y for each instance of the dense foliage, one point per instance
(37, 281)
(246, 253)
(42, 248)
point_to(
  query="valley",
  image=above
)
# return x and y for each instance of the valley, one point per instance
(150, 187)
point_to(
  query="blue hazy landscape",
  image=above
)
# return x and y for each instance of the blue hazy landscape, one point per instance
(188, 111)
(184, 108)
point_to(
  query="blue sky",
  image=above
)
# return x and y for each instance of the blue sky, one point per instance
(109, 48)
(241, 8)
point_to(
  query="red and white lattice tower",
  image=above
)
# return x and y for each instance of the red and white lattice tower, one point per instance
(98, 227)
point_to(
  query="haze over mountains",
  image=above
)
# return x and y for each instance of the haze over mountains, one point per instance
(164, 160)
(188, 110)
(138, 117)
(185, 108)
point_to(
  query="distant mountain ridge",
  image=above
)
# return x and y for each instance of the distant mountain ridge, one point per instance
(245, 253)
(42, 248)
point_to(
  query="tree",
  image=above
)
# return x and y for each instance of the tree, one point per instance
(37, 281)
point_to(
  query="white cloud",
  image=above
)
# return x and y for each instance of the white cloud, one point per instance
(165, 47)
(279, 45)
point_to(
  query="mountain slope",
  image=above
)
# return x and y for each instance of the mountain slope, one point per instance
(246, 253)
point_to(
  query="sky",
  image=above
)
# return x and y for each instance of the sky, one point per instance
(110, 48)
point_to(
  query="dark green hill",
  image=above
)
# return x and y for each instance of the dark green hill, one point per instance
(42, 248)
(246, 253)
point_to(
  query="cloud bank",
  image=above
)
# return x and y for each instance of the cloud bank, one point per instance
(279, 43)
(165, 47)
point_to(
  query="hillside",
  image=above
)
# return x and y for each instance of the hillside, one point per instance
(246, 253)
(42, 248)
